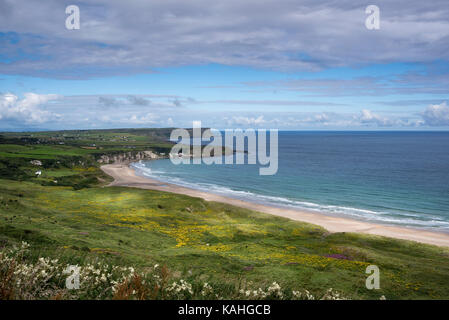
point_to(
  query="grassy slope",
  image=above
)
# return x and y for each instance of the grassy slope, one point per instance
(212, 241)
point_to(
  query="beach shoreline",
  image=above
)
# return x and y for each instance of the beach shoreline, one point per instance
(125, 176)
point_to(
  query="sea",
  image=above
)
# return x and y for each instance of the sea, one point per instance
(392, 178)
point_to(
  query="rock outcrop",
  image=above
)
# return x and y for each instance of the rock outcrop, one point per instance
(127, 157)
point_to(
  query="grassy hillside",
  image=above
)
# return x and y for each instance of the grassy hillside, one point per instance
(78, 221)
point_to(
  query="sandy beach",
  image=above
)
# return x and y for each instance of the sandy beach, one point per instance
(125, 176)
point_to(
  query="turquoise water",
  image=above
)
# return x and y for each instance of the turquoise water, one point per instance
(397, 178)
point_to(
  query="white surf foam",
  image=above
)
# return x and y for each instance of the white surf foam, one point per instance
(394, 218)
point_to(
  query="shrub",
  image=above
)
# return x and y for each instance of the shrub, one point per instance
(21, 278)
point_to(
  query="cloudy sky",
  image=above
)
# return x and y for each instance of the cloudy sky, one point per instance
(303, 64)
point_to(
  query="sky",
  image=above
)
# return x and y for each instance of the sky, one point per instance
(281, 64)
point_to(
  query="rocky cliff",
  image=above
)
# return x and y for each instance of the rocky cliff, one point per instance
(127, 157)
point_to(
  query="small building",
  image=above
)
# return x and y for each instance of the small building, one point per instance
(36, 162)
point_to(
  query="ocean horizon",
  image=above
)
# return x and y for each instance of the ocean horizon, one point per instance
(396, 178)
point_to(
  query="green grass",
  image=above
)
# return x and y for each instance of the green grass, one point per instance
(73, 140)
(40, 152)
(218, 242)
(67, 213)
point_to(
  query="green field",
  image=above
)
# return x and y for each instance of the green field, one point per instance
(79, 221)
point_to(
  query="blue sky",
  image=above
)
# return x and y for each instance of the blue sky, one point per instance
(293, 65)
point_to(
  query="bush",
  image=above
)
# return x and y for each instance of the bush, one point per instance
(22, 278)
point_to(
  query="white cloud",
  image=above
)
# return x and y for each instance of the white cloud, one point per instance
(322, 117)
(368, 117)
(27, 109)
(148, 118)
(83, 112)
(239, 120)
(119, 38)
(436, 115)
